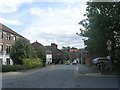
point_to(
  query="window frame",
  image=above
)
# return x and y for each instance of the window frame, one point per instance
(1, 61)
(1, 34)
(14, 38)
(8, 61)
(1, 49)
(8, 36)
(7, 48)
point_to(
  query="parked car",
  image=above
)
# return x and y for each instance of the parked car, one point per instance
(95, 61)
(99, 60)
(74, 62)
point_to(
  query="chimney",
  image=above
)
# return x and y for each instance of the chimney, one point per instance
(53, 45)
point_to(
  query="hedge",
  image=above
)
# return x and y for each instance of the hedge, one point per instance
(28, 63)
(7, 68)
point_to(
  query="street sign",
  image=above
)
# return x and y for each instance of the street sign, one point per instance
(109, 42)
(109, 47)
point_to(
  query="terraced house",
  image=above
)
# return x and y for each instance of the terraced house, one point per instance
(7, 40)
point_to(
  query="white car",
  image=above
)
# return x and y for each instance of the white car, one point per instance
(74, 62)
(97, 61)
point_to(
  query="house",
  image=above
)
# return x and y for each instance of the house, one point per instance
(7, 40)
(57, 54)
(48, 56)
(73, 53)
(37, 46)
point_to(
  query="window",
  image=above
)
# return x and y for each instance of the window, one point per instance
(1, 61)
(1, 34)
(14, 38)
(1, 48)
(8, 61)
(7, 49)
(8, 36)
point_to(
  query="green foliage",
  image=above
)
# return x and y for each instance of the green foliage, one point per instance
(21, 49)
(57, 60)
(7, 68)
(41, 53)
(65, 51)
(101, 24)
(27, 62)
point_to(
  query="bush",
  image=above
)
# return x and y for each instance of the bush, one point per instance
(28, 63)
(7, 68)
(20, 50)
(56, 60)
(31, 63)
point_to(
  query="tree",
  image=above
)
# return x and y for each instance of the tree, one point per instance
(41, 53)
(102, 24)
(21, 49)
(65, 51)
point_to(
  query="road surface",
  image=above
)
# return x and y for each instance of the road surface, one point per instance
(59, 76)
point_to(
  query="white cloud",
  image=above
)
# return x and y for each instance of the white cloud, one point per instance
(65, 19)
(10, 22)
(8, 6)
(56, 25)
(59, 37)
(47, 24)
(37, 11)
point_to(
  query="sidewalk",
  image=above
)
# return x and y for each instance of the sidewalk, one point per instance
(84, 69)
(93, 71)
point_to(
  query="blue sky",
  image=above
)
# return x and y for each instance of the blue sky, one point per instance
(48, 21)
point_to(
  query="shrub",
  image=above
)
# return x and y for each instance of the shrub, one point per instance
(28, 63)
(31, 63)
(56, 60)
(22, 49)
(7, 68)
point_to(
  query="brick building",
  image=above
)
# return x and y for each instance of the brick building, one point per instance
(73, 54)
(37, 46)
(7, 40)
(56, 53)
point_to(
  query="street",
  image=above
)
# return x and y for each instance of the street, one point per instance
(59, 76)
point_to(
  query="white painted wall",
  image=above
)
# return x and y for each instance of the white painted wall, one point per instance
(48, 58)
(3, 57)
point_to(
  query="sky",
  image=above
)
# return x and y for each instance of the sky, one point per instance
(47, 21)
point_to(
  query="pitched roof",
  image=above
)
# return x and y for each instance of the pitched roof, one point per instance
(6, 29)
(37, 45)
(74, 50)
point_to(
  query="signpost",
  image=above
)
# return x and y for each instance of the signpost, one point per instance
(109, 43)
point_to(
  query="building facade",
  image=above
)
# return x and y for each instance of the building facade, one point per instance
(7, 40)
(57, 54)
(48, 53)
(73, 54)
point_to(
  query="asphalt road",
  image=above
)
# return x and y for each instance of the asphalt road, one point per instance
(59, 76)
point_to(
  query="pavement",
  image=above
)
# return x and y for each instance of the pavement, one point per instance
(94, 71)
(59, 76)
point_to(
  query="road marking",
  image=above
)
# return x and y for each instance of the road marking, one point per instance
(76, 72)
(97, 75)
